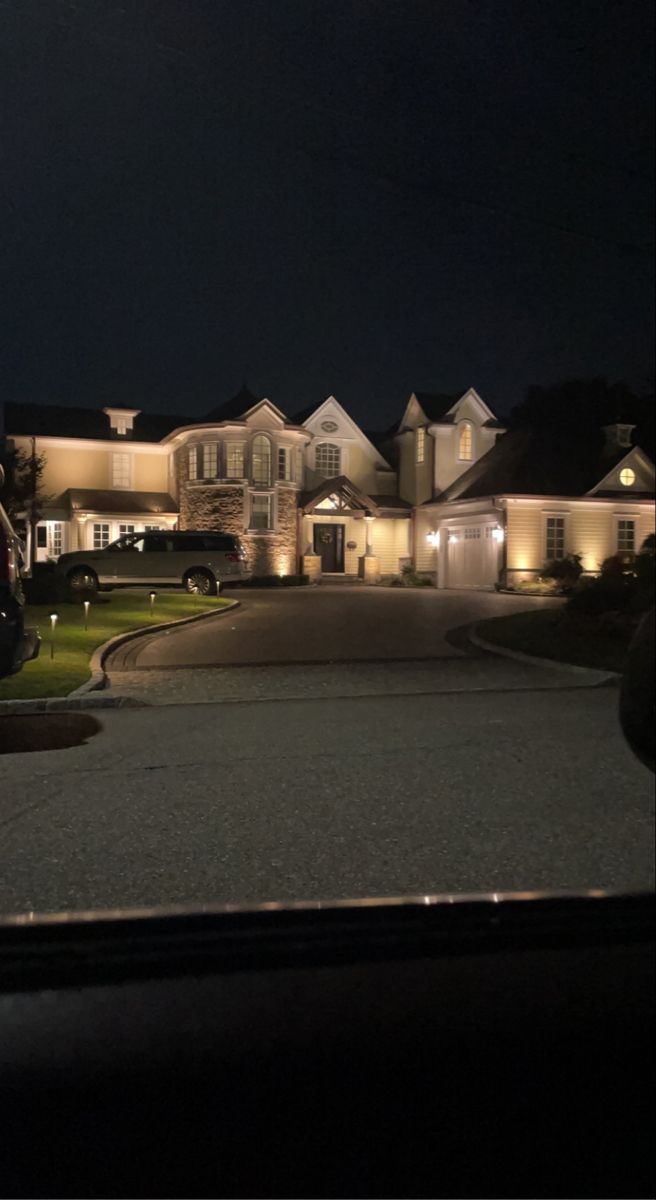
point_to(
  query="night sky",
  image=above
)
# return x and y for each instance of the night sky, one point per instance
(358, 198)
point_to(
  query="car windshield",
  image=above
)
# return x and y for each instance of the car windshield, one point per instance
(328, 431)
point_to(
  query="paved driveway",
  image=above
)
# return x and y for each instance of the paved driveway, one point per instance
(321, 625)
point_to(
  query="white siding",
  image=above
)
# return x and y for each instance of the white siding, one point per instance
(524, 537)
(390, 541)
(590, 532)
(425, 555)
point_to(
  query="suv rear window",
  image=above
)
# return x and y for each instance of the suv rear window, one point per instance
(206, 541)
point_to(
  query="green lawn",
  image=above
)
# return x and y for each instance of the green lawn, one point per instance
(548, 633)
(108, 615)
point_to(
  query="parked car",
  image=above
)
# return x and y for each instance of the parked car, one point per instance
(198, 561)
(17, 644)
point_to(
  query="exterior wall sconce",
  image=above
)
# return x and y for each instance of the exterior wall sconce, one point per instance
(498, 534)
(433, 539)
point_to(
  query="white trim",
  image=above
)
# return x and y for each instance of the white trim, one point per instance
(638, 456)
(633, 517)
(471, 393)
(350, 424)
(68, 443)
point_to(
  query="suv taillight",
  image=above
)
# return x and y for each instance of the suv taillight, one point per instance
(233, 557)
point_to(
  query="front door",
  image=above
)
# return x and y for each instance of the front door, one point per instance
(329, 545)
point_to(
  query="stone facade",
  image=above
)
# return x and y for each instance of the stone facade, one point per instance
(227, 507)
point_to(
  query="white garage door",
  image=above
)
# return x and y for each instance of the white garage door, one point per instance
(473, 556)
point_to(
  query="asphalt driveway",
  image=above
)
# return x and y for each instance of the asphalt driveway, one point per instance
(320, 625)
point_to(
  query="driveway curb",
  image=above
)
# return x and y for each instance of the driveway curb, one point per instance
(589, 676)
(85, 696)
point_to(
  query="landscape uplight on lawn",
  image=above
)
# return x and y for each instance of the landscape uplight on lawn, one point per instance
(54, 617)
(151, 597)
(87, 605)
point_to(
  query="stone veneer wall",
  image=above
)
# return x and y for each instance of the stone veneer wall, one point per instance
(225, 506)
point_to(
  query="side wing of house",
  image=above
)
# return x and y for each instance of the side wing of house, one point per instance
(95, 489)
(439, 438)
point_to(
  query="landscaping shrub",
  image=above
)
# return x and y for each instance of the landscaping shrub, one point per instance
(274, 581)
(621, 588)
(565, 571)
(410, 577)
(44, 586)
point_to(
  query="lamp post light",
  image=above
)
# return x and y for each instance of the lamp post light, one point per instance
(151, 597)
(54, 617)
(87, 606)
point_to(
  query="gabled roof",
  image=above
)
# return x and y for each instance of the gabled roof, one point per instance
(58, 420)
(340, 486)
(115, 501)
(540, 463)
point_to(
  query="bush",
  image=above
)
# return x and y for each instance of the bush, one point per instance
(410, 577)
(44, 586)
(565, 571)
(621, 588)
(273, 581)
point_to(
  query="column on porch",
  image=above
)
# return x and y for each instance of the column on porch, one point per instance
(368, 564)
(310, 562)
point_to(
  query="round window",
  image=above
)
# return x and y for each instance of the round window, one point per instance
(627, 477)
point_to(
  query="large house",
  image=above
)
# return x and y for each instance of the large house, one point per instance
(448, 490)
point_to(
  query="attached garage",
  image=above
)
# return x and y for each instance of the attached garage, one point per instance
(472, 555)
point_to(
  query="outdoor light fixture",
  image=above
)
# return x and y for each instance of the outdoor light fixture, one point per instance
(453, 538)
(151, 597)
(87, 605)
(498, 534)
(433, 539)
(54, 617)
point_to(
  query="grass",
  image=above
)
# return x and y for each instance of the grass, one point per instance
(547, 633)
(108, 615)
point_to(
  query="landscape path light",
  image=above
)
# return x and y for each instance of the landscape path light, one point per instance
(87, 606)
(151, 597)
(54, 617)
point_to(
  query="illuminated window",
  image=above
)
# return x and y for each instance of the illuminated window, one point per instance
(626, 537)
(121, 471)
(261, 456)
(298, 465)
(465, 442)
(235, 461)
(420, 444)
(123, 529)
(555, 542)
(55, 538)
(627, 477)
(284, 463)
(210, 460)
(100, 536)
(261, 512)
(328, 459)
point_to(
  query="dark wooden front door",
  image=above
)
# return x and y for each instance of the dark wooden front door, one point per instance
(329, 545)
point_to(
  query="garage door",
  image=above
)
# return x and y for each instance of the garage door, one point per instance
(473, 556)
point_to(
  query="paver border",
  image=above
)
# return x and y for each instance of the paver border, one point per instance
(86, 695)
(590, 675)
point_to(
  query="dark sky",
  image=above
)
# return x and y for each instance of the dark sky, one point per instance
(360, 198)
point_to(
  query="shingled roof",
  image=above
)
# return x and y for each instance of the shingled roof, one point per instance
(538, 463)
(58, 420)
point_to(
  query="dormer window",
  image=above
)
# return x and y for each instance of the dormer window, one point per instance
(121, 420)
(465, 442)
(420, 445)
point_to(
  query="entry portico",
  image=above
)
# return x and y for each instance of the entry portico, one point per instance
(345, 532)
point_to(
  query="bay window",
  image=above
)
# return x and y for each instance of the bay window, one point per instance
(235, 460)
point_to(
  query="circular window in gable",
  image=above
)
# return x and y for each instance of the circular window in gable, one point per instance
(329, 426)
(627, 477)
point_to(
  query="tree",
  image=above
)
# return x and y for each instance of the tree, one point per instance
(21, 493)
(583, 406)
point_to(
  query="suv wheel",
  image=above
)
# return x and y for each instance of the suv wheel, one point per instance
(200, 581)
(82, 580)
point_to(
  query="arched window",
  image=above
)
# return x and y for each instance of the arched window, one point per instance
(261, 459)
(328, 459)
(465, 442)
